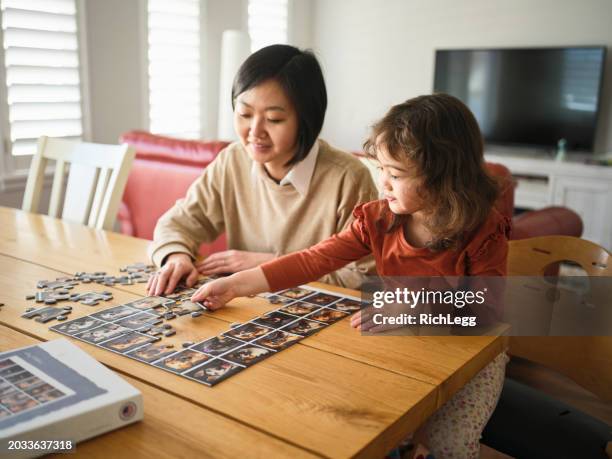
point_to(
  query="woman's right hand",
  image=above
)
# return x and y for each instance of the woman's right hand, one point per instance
(177, 267)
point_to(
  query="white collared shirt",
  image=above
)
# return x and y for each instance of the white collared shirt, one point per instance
(299, 175)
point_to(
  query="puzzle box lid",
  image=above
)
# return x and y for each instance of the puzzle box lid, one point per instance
(54, 387)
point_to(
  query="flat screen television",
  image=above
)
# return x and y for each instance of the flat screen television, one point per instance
(530, 96)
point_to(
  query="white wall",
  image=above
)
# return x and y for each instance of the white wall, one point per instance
(219, 15)
(116, 49)
(378, 53)
(114, 46)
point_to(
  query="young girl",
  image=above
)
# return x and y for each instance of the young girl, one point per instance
(437, 218)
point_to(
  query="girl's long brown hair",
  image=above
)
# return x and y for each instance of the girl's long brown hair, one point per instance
(441, 137)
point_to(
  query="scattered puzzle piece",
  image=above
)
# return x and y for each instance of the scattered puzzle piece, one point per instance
(50, 297)
(64, 283)
(44, 315)
(92, 298)
(138, 267)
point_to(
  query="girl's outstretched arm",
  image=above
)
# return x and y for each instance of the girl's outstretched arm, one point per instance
(215, 294)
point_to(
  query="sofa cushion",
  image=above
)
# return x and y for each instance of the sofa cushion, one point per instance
(161, 174)
(152, 188)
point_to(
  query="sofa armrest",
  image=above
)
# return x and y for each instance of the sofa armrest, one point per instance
(549, 221)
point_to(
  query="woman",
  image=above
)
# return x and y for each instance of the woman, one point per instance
(278, 190)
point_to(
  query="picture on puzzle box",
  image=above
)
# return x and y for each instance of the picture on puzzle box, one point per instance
(111, 314)
(77, 325)
(322, 299)
(97, 335)
(6, 388)
(347, 305)
(45, 393)
(213, 372)
(126, 343)
(182, 361)
(6, 363)
(151, 352)
(280, 300)
(299, 309)
(218, 345)
(138, 321)
(8, 371)
(248, 331)
(295, 293)
(274, 319)
(149, 302)
(304, 327)
(16, 402)
(15, 378)
(329, 316)
(248, 355)
(278, 340)
(30, 382)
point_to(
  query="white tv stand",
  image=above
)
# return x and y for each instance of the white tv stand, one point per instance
(543, 181)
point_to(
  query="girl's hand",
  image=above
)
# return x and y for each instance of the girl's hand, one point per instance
(232, 261)
(177, 267)
(218, 292)
(363, 320)
(215, 294)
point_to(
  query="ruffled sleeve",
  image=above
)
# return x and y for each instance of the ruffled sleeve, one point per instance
(486, 254)
(359, 227)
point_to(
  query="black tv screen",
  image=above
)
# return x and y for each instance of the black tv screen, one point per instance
(533, 96)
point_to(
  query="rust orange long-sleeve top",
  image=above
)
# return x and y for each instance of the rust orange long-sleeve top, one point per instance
(483, 254)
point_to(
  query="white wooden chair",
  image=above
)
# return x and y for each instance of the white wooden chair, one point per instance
(97, 178)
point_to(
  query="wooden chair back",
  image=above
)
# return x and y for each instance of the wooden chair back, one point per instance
(97, 178)
(585, 359)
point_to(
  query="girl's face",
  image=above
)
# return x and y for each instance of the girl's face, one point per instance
(267, 124)
(399, 183)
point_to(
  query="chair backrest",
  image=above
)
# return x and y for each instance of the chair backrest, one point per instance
(531, 257)
(96, 180)
(585, 359)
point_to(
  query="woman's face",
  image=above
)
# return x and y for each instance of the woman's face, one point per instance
(267, 124)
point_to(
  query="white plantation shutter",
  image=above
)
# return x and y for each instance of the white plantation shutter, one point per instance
(42, 74)
(174, 67)
(267, 22)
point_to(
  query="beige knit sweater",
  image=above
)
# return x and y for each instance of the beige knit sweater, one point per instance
(260, 215)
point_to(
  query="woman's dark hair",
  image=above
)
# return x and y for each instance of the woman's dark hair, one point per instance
(440, 136)
(299, 74)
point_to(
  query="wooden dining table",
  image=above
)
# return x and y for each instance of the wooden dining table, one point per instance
(337, 393)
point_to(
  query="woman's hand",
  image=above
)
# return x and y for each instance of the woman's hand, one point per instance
(232, 261)
(177, 267)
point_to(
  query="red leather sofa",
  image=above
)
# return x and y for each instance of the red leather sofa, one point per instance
(162, 171)
(164, 168)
